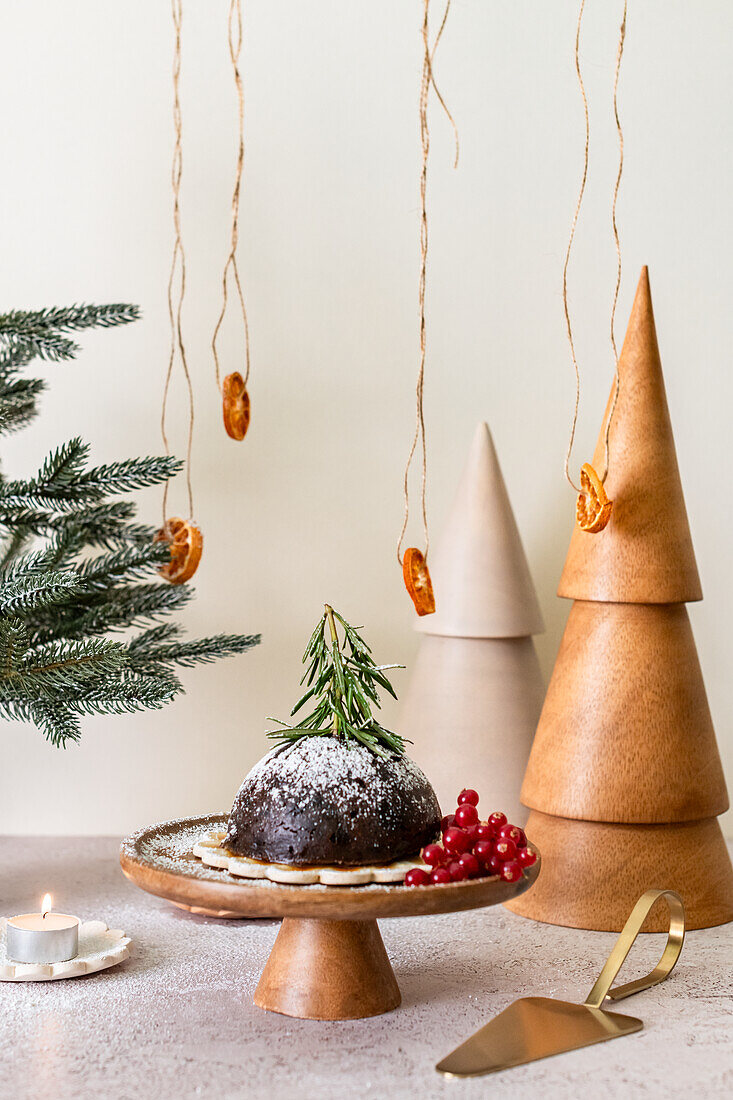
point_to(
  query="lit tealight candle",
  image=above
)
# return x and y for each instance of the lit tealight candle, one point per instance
(43, 937)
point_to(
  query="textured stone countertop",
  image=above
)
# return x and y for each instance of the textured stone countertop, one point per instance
(177, 1019)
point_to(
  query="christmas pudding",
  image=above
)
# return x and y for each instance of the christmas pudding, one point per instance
(326, 800)
(338, 790)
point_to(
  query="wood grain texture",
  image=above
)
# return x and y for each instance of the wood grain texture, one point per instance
(260, 898)
(594, 872)
(328, 970)
(625, 732)
(477, 700)
(645, 555)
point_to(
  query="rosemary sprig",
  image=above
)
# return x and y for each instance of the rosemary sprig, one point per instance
(344, 680)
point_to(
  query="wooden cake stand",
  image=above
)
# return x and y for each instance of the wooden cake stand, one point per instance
(328, 961)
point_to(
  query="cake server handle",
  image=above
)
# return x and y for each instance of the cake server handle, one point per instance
(632, 928)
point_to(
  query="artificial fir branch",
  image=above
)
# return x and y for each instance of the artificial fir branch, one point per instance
(127, 694)
(13, 644)
(127, 563)
(34, 563)
(133, 473)
(18, 405)
(31, 592)
(155, 635)
(342, 676)
(51, 489)
(38, 332)
(64, 466)
(64, 665)
(102, 525)
(188, 654)
(113, 609)
(67, 318)
(95, 571)
(57, 723)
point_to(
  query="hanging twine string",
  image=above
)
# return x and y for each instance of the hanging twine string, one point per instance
(573, 227)
(420, 413)
(235, 46)
(436, 89)
(568, 325)
(426, 81)
(178, 263)
(616, 385)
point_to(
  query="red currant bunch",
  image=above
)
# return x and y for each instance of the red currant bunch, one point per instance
(472, 848)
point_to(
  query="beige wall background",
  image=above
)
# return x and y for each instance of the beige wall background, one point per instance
(309, 507)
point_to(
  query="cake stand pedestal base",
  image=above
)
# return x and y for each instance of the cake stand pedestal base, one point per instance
(328, 961)
(328, 970)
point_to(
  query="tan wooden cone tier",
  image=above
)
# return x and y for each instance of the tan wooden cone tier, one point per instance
(624, 780)
(598, 871)
(645, 555)
(476, 690)
(641, 744)
(483, 587)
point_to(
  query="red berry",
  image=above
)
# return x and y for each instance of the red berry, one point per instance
(433, 854)
(457, 871)
(505, 849)
(470, 832)
(447, 822)
(439, 875)
(484, 831)
(527, 857)
(483, 850)
(496, 820)
(470, 865)
(511, 832)
(469, 796)
(511, 871)
(466, 814)
(455, 841)
(495, 865)
(417, 877)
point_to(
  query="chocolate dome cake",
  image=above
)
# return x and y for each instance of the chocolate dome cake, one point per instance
(323, 800)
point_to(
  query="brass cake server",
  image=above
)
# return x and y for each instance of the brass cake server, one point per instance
(537, 1027)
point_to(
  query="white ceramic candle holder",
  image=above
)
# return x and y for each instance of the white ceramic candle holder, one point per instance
(99, 948)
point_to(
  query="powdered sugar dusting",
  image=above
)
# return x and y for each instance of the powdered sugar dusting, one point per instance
(347, 771)
(169, 847)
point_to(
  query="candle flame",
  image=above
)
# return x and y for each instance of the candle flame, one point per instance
(46, 904)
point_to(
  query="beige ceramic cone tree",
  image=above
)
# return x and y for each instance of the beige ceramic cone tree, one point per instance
(624, 781)
(476, 691)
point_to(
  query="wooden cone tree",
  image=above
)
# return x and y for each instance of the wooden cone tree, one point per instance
(624, 780)
(476, 691)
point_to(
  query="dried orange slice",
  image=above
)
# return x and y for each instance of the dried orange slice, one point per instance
(417, 581)
(236, 406)
(593, 509)
(186, 543)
